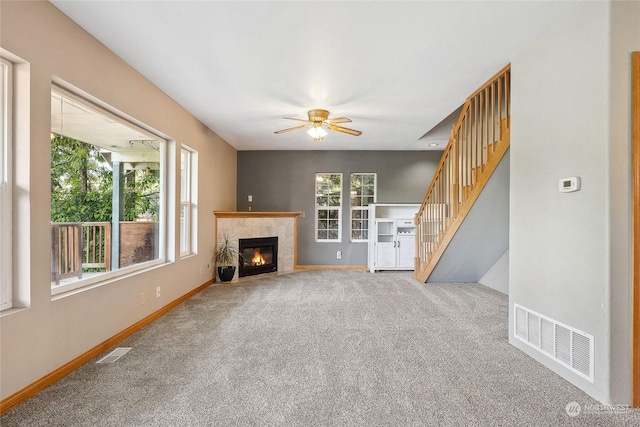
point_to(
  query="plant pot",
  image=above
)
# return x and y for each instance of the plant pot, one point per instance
(226, 273)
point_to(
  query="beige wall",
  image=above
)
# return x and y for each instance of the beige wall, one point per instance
(49, 333)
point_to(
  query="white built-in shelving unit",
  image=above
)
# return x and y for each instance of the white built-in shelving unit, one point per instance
(392, 236)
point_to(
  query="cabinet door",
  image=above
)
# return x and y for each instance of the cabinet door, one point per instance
(406, 251)
(385, 244)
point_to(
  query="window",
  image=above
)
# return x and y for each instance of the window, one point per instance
(6, 108)
(187, 205)
(107, 193)
(328, 207)
(363, 193)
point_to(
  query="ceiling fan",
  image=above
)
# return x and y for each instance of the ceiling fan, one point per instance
(317, 122)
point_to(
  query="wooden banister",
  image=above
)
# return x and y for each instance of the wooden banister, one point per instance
(478, 141)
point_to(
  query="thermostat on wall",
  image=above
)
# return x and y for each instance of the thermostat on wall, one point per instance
(567, 185)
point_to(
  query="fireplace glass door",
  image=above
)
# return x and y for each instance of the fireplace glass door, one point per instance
(257, 256)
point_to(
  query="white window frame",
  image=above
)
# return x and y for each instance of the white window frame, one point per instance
(166, 196)
(6, 184)
(363, 208)
(188, 179)
(329, 209)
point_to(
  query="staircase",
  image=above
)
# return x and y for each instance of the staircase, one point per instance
(479, 140)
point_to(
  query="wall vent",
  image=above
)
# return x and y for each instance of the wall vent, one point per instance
(115, 355)
(568, 346)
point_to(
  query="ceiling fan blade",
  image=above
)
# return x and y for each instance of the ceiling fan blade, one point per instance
(344, 130)
(339, 120)
(290, 129)
(295, 118)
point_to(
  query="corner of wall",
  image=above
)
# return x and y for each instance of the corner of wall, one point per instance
(497, 278)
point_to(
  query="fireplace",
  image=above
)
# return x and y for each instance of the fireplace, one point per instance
(257, 256)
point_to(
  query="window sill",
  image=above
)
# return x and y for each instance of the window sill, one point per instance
(104, 279)
(12, 310)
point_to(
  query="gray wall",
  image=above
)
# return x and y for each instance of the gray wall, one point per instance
(497, 277)
(285, 181)
(569, 253)
(483, 236)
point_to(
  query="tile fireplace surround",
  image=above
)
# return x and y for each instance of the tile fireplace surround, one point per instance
(247, 225)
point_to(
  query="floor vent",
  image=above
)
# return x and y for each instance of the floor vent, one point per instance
(114, 355)
(564, 344)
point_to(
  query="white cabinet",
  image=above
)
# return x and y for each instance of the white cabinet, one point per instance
(392, 235)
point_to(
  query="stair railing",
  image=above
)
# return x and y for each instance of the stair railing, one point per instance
(477, 143)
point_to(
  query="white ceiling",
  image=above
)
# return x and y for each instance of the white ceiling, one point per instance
(396, 68)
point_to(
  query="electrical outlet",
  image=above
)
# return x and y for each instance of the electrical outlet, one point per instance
(141, 298)
(158, 292)
(339, 255)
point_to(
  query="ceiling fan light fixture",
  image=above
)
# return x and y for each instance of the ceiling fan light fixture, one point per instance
(318, 123)
(317, 133)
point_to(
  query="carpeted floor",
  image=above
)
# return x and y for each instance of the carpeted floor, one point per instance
(321, 348)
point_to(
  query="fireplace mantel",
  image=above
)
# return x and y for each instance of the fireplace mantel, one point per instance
(242, 225)
(250, 214)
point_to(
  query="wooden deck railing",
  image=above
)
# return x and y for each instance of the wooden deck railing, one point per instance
(66, 254)
(96, 248)
(76, 245)
(478, 141)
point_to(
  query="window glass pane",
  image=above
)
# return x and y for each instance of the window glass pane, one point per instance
(184, 175)
(184, 228)
(4, 74)
(188, 171)
(328, 193)
(106, 177)
(363, 193)
(6, 107)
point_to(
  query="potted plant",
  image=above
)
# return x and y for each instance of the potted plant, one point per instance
(226, 258)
